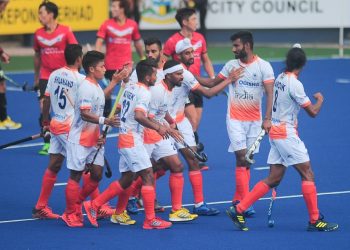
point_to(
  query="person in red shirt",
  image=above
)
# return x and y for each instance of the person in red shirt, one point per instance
(49, 44)
(118, 33)
(5, 120)
(187, 19)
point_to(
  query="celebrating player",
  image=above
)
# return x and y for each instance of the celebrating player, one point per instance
(49, 44)
(286, 147)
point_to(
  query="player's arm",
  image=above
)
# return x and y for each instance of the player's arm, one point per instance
(208, 66)
(140, 117)
(87, 116)
(209, 83)
(268, 112)
(313, 109)
(5, 58)
(116, 78)
(99, 44)
(37, 64)
(139, 48)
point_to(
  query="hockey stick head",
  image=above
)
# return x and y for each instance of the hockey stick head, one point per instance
(249, 158)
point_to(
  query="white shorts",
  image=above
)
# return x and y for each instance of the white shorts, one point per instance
(78, 156)
(242, 134)
(58, 144)
(186, 130)
(161, 149)
(288, 152)
(134, 159)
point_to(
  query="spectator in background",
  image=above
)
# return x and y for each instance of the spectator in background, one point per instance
(5, 120)
(49, 44)
(118, 33)
(134, 10)
(201, 6)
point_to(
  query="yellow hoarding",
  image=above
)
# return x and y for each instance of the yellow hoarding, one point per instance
(21, 16)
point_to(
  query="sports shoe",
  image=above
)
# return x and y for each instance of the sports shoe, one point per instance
(9, 124)
(71, 220)
(203, 166)
(156, 223)
(91, 212)
(132, 206)
(182, 215)
(44, 213)
(122, 219)
(205, 210)
(45, 149)
(158, 208)
(237, 218)
(79, 212)
(321, 225)
(105, 211)
(247, 213)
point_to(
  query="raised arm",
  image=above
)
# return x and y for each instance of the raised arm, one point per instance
(313, 109)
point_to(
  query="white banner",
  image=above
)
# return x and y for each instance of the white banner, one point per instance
(252, 14)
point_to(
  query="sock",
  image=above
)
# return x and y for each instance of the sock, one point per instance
(308, 189)
(47, 185)
(242, 183)
(260, 189)
(148, 196)
(176, 184)
(3, 108)
(89, 186)
(123, 200)
(136, 187)
(197, 185)
(94, 193)
(113, 190)
(72, 196)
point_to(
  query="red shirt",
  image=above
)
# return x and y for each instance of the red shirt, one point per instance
(199, 44)
(51, 47)
(118, 39)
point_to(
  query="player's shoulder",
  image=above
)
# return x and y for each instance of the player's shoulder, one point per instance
(39, 31)
(131, 22)
(198, 36)
(263, 61)
(174, 38)
(64, 28)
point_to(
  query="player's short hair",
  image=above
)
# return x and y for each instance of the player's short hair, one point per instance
(72, 52)
(295, 59)
(170, 63)
(50, 8)
(91, 59)
(153, 40)
(145, 68)
(124, 4)
(184, 14)
(245, 36)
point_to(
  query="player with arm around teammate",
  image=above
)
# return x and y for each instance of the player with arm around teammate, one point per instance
(286, 147)
(84, 140)
(133, 155)
(184, 49)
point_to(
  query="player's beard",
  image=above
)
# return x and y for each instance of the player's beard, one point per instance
(242, 54)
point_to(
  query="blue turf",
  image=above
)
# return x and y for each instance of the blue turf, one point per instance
(326, 138)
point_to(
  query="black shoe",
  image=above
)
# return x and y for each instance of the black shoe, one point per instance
(237, 218)
(321, 225)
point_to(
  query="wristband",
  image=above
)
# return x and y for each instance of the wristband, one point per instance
(266, 118)
(101, 120)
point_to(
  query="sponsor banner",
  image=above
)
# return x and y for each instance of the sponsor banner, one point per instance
(252, 14)
(21, 16)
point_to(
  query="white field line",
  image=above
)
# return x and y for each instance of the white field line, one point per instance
(215, 203)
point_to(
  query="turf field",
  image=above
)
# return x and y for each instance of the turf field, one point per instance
(326, 138)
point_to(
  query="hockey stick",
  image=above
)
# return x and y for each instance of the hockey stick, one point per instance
(29, 138)
(250, 151)
(201, 157)
(23, 86)
(270, 220)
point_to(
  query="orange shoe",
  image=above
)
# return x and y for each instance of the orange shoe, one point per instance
(156, 223)
(44, 213)
(71, 220)
(105, 211)
(91, 212)
(79, 212)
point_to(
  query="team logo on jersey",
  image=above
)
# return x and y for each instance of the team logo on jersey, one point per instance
(123, 32)
(50, 42)
(248, 84)
(244, 96)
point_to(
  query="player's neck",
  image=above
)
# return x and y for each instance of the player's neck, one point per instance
(169, 85)
(250, 58)
(121, 20)
(73, 67)
(186, 32)
(51, 27)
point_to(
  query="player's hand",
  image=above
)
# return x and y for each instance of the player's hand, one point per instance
(163, 131)
(45, 130)
(235, 74)
(113, 121)
(176, 134)
(101, 141)
(5, 58)
(266, 125)
(318, 96)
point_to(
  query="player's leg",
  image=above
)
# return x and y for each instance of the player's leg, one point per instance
(308, 188)
(5, 120)
(41, 93)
